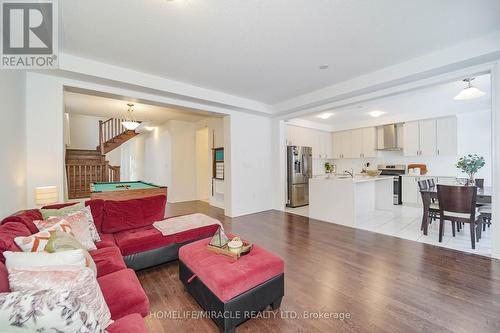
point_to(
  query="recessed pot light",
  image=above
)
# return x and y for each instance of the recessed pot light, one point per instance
(376, 113)
(325, 115)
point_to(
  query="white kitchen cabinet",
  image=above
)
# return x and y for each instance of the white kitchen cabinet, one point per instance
(357, 143)
(428, 137)
(363, 142)
(337, 145)
(411, 141)
(342, 145)
(409, 190)
(328, 144)
(319, 141)
(346, 139)
(446, 136)
(369, 142)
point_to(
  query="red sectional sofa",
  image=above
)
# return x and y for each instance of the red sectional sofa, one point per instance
(128, 242)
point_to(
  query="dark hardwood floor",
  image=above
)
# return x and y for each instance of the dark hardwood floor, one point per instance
(385, 284)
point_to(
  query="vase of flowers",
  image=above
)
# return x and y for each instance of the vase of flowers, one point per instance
(470, 164)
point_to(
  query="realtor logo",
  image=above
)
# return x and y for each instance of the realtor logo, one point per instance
(29, 34)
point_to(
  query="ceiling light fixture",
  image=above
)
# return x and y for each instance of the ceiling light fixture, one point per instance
(376, 113)
(129, 122)
(469, 92)
(324, 66)
(325, 115)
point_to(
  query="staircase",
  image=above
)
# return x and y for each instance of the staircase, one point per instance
(112, 134)
(84, 167)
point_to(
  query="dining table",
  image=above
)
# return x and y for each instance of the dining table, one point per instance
(430, 194)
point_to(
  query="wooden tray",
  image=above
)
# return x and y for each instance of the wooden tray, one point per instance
(246, 248)
(423, 168)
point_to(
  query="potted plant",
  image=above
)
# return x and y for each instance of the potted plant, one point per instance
(470, 164)
(328, 167)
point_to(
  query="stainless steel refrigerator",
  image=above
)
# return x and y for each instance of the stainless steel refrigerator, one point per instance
(299, 170)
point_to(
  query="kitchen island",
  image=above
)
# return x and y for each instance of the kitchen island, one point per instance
(342, 199)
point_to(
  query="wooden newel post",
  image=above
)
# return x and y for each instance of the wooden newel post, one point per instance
(101, 146)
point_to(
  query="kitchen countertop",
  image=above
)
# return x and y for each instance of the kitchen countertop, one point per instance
(356, 179)
(428, 175)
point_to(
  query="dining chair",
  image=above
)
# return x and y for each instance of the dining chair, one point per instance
(485, 212)
(423, 185)
(433, 208)
(458, 205)
(431, 182)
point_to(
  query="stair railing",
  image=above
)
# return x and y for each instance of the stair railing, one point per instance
(80, 176)
(108, 130)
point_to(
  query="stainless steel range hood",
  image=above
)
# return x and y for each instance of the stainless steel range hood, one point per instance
(389, 137)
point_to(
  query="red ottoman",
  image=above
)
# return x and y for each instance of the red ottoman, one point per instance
(232, 291)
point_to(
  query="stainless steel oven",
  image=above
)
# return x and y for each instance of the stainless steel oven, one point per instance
(395, 170)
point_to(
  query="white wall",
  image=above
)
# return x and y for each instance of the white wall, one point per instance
(44, 134)
(183, 184)
(132, 159)
(84, 131)
(12, 142)
(249, 163)
(157, 157)
(474, 136)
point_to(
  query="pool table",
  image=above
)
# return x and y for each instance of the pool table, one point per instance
(125, 190)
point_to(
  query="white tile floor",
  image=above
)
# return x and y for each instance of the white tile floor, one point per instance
(404, 222)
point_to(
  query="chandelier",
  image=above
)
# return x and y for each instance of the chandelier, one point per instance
(129, 122)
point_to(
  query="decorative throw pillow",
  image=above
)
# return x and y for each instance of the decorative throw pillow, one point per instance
(38, 241)
(25, 260)
(60, 241)
(80, 281)
(46, 213)
(46, 311)
(92, 228)
(79, 225)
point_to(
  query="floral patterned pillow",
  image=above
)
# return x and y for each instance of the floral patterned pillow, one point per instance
(81, 282)
(79, 225)
(46, 311)
(37, 242)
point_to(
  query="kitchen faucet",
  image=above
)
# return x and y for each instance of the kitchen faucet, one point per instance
(351, 173)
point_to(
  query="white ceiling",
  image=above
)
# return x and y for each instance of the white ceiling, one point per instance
(268, 51)
(77, 103)
(430, 102)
